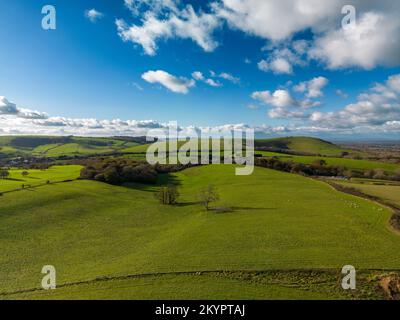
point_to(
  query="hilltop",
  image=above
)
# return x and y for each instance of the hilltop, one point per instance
(300, 145)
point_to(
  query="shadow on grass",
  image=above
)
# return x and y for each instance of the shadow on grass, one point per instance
(251, 208)
(162, 180)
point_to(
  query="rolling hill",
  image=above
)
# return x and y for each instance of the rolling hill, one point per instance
(107, 241)
(56, 146)
(306, 145)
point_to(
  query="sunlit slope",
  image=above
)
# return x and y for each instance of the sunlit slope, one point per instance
(56, 146)
(38, 177)
(280, 221)
(332, 161)
(307, 145)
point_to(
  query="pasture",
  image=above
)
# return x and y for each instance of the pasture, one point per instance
(278, 221)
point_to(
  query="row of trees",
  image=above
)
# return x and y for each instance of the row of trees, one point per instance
(320, 168)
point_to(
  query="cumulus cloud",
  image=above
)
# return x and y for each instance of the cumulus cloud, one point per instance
(276, 20)
(379, 106)
(9, 108)
(279, 98)
(197, 75)
(172, 83)
(277, 65)
(93, 15)
(312, 88)
(185, 23)
(369, 43)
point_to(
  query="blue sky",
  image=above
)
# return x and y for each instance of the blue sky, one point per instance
(86, 69)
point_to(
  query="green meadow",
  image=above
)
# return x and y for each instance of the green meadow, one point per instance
(38, 177)
(332, 161)
(92, 232)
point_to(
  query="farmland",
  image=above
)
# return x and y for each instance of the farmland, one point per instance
(278, 221)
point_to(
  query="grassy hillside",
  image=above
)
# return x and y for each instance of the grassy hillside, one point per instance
(90, 230)
(38, 177)
(332, 161)
(388, 193)
(48, 146)
(301, 144)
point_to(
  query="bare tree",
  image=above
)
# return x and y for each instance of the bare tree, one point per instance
(208, 195)
(167, 195)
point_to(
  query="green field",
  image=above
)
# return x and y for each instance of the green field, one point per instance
(38, 177)
(331, 161)
(388, 193)
(89, 230)
(51, 146)
(302, 144)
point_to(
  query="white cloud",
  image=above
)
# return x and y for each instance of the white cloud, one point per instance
(312, 88)
(279, 98)
(278, 66)
(197, 75)
(277, 20)
(379, 106)
(185, 23)
(229, 77)
(93, 15)
(368, 44)
(263, 65)
(175, 84)
(213, 83)
(9, 108)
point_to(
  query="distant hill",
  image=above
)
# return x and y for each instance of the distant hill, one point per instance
(300, 145)
(56, 146)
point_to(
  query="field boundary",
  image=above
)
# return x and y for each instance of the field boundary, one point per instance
(177, 273)
(394, 221)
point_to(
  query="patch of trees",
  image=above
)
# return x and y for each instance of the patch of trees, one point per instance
(4, 173)
(119, 171)
(320, 168)
(122, 170)
(33, 142)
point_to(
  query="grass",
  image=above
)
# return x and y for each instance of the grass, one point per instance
(275, 285)
(302, 144)
(388, 193)
(47, 146)
(39, 177)
(332, 161)
(90, 230)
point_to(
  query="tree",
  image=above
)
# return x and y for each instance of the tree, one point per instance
(25, 173)
(4, 173)
(167, 195)
(208, 195)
